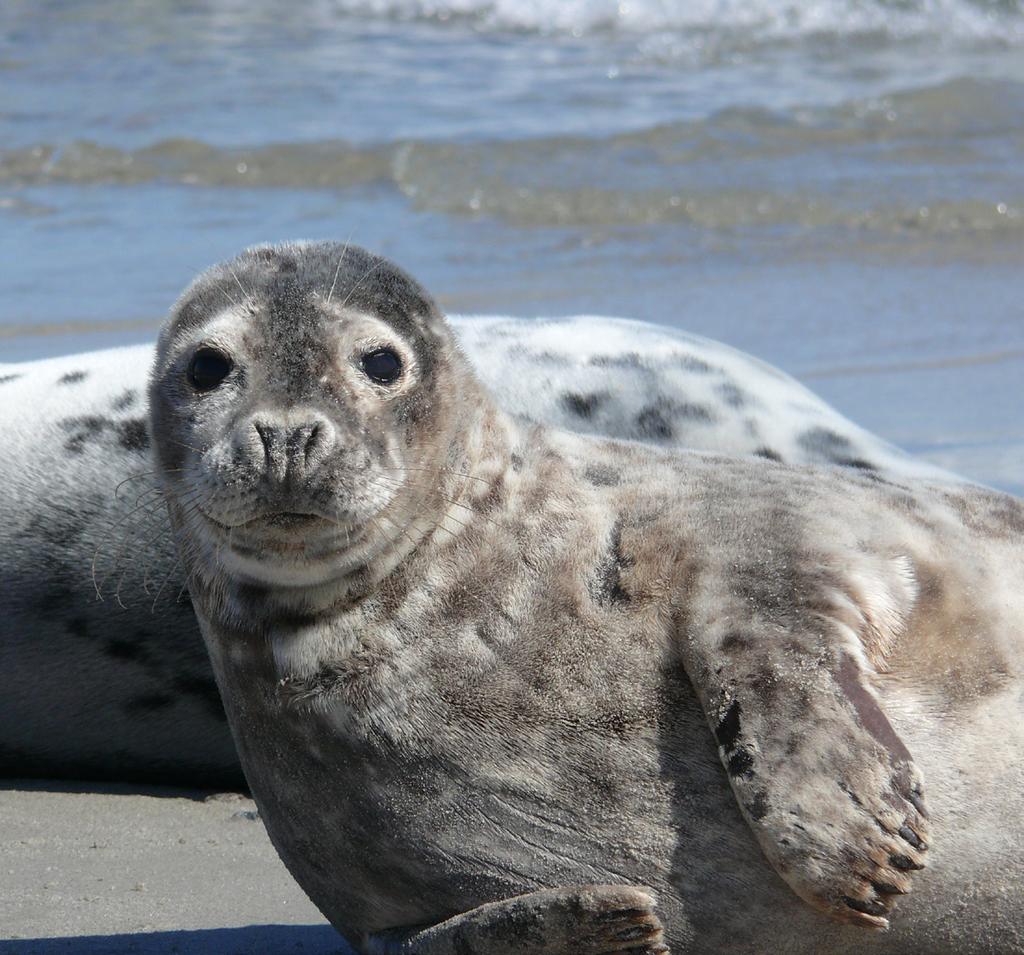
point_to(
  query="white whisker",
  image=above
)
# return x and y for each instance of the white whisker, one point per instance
(373, 268)
(337, 271)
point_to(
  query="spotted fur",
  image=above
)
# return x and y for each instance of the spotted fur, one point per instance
(460, 671)
(73, 430)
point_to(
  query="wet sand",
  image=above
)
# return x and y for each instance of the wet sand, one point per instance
(114, 869)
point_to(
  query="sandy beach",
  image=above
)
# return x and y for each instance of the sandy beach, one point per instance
(109, 870)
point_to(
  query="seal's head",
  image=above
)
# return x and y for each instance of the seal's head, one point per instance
(307, 401)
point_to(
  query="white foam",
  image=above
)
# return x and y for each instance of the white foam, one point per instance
(769, 19)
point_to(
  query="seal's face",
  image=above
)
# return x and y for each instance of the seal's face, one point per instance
(295, 393)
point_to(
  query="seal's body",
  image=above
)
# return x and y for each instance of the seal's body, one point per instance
(501, 740)
(479, 672)
(121, 688)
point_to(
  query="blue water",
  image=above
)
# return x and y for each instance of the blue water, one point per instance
(836, 186)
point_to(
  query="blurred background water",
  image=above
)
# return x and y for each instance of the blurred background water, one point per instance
(836, 185)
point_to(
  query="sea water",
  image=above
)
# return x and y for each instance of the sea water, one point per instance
(836, 186)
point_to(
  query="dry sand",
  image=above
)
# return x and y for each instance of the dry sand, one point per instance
(118, 869)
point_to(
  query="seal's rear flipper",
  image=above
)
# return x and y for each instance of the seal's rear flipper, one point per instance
(582, 919)
(821, 776)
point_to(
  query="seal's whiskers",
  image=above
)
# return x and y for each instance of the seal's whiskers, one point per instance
(337, 271)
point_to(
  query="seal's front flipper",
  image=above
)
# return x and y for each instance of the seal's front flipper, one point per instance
(822, 777)
(582, 919)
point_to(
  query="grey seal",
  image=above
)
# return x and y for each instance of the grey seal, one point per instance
(121, 688)
(499, 688)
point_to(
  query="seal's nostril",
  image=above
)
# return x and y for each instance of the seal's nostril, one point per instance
(318, 439)
(291, 450)
(266, 434)
(313, 440)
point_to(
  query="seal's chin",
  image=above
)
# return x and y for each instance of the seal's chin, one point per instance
(287, 536)
(290, 551)
(283, 547)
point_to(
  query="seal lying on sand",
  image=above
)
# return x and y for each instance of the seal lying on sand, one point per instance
(121, 688)
(479, 672)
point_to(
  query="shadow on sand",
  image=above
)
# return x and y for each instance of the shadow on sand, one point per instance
(249, 940)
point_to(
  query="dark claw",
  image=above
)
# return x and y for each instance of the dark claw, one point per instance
(887, 888)
(620, 915)
(912, 837)
(917, 800)
(872, 907)
(905, 863)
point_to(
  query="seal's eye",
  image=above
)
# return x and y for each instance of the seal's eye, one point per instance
(382, 365)
(208, 369)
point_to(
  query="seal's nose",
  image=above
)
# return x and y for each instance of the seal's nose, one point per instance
(293, 445)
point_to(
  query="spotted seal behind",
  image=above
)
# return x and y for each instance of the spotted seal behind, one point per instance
(497, 687)
(121, 688)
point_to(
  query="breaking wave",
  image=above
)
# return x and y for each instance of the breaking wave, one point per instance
(999, 20)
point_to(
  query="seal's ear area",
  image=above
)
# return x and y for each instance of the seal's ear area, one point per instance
(821, 775)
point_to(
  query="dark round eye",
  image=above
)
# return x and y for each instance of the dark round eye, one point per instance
(208, 369)
(382, 365)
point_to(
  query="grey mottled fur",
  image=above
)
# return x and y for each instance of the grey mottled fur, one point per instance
(467, 661)
(121, 687)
